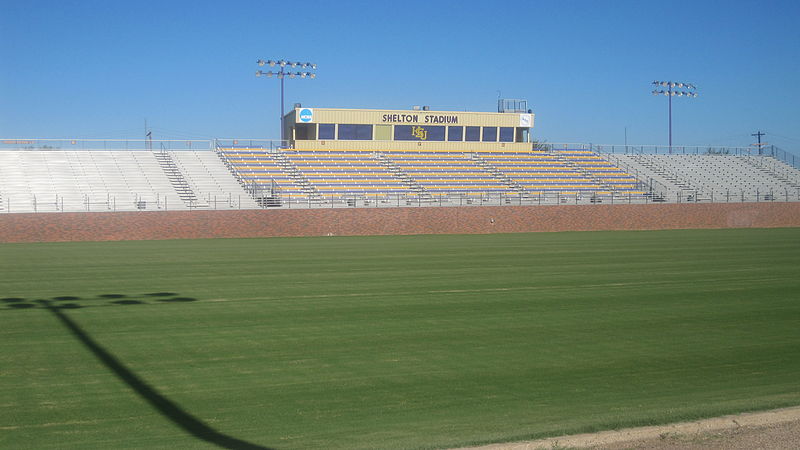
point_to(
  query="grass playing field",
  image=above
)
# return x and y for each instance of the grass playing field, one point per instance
(391, 342)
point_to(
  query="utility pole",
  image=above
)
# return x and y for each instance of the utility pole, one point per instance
(759, 145)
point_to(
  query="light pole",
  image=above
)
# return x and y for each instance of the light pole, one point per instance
(282, 73)
(689, 92)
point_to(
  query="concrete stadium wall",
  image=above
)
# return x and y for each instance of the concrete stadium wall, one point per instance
(57, 227)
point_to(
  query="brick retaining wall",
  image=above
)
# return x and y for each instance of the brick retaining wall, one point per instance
(54, 227)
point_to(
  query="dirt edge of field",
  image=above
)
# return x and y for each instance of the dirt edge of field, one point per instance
(736, 431)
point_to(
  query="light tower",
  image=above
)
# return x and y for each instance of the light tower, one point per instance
(691, 91)
(282, 74)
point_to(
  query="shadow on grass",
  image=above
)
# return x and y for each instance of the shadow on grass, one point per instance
(21, 306)
(177, 299)
(127, 302)
(165, 406)
(17, 303)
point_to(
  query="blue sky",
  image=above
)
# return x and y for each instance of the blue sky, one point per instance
(97, 69)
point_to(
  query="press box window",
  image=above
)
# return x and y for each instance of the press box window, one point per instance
(351, 132)
(489, 134)
(304, 131)
(455, 133)
(506, 134)
(522, 134)
(473, 134)
(326, 132)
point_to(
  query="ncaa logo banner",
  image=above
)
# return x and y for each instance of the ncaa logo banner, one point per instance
(306, 115)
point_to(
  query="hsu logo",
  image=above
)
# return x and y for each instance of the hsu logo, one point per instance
(306, 115)
(419, 133)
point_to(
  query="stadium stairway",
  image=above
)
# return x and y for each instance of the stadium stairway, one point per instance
(310, 191)
(782, 172)
(178, 180)
(567, 162)
(398, 173)
(211, 180)
(498, 174)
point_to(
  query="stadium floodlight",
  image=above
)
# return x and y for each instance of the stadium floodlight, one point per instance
(670, 92)
(282, 74)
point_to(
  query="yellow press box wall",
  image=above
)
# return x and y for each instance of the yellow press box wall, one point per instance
(418, 130)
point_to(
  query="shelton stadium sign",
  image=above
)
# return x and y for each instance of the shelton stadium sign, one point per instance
(415, 118)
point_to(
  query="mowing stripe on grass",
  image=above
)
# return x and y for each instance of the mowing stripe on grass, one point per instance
(396, 341)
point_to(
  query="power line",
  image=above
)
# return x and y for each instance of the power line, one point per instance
(786, 137)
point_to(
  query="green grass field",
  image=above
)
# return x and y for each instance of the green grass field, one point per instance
(391, 342)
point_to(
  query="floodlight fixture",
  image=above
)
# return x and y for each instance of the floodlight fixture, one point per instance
(669, 92)
(282, 74)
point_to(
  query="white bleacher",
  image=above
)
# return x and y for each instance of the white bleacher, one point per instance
(109, 180)
(212, 182)
(651, 176)
(713, 175)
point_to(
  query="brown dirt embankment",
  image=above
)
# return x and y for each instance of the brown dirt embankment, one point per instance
(777, 429)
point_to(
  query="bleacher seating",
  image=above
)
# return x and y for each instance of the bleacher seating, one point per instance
(343, 174)
(539, 172)
(719, 176)
(259, 167)
(251, 177)
(346, 174)
(597, 168)
(100, 180)
(83, 181)
(447, 173)
(212, 180)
